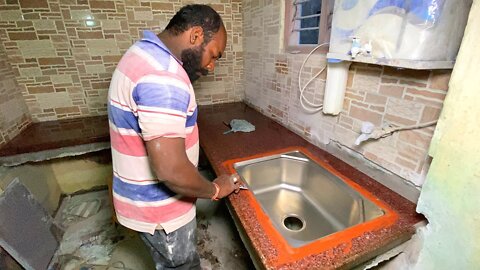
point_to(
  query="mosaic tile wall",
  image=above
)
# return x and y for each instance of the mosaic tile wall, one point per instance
(14, 115)
(381, 95)
(63, 52)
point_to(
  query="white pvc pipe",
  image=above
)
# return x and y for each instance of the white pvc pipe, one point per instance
(337, 76)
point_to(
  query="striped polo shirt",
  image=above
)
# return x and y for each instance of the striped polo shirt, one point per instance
(150, 96)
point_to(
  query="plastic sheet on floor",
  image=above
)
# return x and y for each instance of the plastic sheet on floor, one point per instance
(90, 233)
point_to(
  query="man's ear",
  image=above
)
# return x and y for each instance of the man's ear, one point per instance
(196, 35)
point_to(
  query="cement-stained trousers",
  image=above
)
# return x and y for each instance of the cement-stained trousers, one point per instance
(176, 250)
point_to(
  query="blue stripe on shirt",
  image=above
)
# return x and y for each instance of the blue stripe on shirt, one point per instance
(153, 49)
(161, 96)
(123, 119)
(191, 120)
(144, 193)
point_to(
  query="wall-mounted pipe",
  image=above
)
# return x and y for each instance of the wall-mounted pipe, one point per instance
(336, 85)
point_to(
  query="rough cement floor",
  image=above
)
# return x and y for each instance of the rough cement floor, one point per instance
(92, 241)
(219, 244)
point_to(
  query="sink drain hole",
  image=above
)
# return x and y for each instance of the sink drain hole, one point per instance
(293, 223)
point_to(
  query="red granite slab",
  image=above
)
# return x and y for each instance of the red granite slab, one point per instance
(56, 134)
(270, 136)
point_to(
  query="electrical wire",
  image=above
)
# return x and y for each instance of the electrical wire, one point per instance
(379, 133)
(389, 130)
(313, 107)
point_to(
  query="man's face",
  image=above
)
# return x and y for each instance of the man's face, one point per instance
(200, 60)
(192, 62)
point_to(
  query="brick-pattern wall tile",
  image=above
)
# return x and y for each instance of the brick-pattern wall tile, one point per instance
(71, 48)
(381, 95)
(439, 79)
(14, 115)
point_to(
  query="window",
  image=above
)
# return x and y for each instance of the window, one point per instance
(307, 24)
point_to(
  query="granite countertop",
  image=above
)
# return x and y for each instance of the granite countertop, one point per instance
(56, 134)
(269, 137)
(55, 139)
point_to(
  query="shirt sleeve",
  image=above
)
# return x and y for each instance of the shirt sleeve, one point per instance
(162, 108)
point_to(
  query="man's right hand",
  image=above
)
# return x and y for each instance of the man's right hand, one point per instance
(228, 184)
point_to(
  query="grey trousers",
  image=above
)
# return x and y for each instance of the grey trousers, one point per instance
(176, 250)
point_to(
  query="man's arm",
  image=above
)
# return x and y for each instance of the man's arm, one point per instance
(171, 164)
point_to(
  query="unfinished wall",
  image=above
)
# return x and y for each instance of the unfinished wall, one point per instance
(381, 95)
(450, 197)
(14, 115)
(63, 53)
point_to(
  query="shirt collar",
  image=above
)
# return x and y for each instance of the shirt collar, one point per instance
(149, 36)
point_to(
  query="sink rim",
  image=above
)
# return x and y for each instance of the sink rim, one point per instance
(300, 237)
(287, 253)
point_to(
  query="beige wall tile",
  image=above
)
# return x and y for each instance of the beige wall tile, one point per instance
(44, 24)
(404, 108)
(391, 90)
(439, 79)
(102, 47)
(381, 95)
(95, 69)
(30, 72)
(36, 48)
(11, 15)
(82, 14)
(53, 100)
(110, 24)
(14, 115)
(62, 78)
(80, 42)
(143, 15)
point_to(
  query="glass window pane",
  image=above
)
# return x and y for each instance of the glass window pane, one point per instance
(309, 8)
(309, 37)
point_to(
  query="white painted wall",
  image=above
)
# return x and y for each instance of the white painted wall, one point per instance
(450, 198)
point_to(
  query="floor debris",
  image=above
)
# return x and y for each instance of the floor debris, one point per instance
(90, 234)
(93, 242)
(218, 242)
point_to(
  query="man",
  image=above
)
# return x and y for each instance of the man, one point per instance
(154, 136)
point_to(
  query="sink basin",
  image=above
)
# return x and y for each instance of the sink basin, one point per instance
(303, 200)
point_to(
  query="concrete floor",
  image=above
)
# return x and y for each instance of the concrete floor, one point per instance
(94, 242)
(219, 244)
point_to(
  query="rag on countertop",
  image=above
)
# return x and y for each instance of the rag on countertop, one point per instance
(240, 125)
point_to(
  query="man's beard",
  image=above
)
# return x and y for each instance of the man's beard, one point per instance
(192, 62)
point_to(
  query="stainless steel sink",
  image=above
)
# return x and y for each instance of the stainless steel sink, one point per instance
(304, 201)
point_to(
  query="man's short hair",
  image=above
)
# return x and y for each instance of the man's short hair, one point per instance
(196, 15)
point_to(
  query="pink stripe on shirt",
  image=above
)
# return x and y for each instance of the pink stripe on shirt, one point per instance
(134, 74)
(131, 145)
(154, 214)
(191, 138)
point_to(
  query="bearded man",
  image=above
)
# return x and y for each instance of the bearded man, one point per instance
(154, 137)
